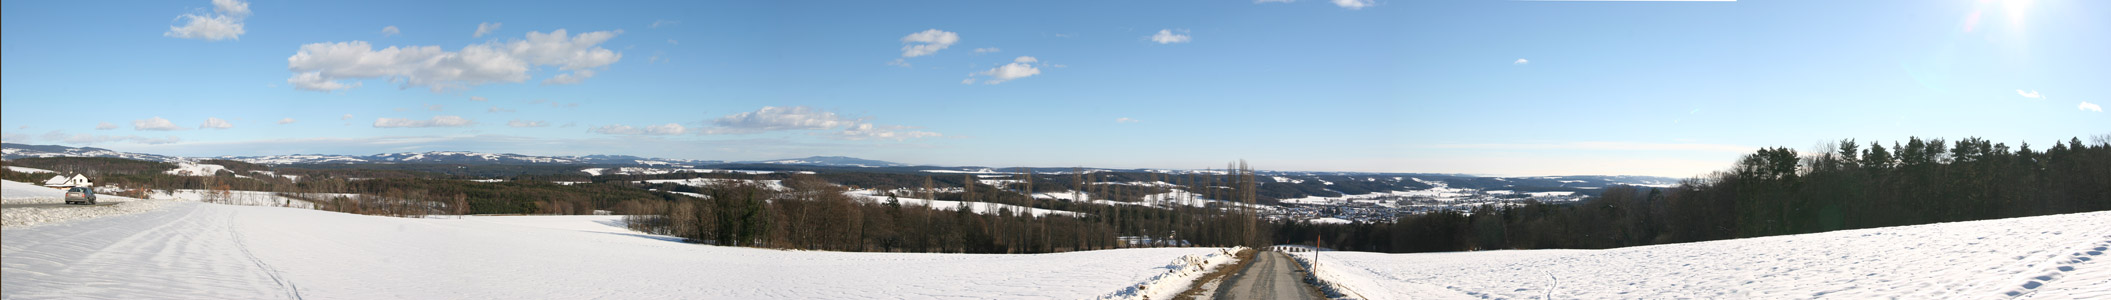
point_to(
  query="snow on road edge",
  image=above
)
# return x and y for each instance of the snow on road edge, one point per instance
(25, 217)
(1180, 274)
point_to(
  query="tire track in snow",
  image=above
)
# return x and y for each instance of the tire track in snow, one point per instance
(179, 252)
(292, 290)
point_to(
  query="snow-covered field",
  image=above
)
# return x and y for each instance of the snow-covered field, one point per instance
(251, 198)
(974, 207)
(2048, 257)
(190, 250)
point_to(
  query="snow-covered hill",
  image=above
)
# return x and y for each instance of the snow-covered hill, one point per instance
(831, 161)
(14, 151)
(190, 250)
(2047, 257)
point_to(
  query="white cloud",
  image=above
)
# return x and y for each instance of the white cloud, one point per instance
(390, 31)
(485, 28)
(805, 118)
(967, 81)
(1166, 36)
(927, 42)
(434, 107)
(1355, 4)
(215, 123)
(867, 131)
(225, 23)
(286, 121)
(673, 42)
(1126, 120)
(1521, 61)
(436, 121)
(57, 136)
(478, 98)
(663, 129)
(569, 78)
(657, 24)
(519, 123)
(329, 66)
(1019, 68)
(155, 124)
(313, 81)
(988, 50)
(105, 126)
(2089, 107)
(2033, 94)
(235, 8)
(345, 117)
(771, 118)
(495, 109)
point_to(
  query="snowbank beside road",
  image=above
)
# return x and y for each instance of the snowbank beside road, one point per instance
(1180, 274)
(2049, 257)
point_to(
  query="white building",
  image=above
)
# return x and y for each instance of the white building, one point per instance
(63, 181)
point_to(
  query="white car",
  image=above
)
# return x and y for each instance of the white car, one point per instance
(80, 195)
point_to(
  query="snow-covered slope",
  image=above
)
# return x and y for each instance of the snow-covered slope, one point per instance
(2048, 257)
(189, 250)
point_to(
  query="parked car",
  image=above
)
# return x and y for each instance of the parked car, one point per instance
(80, 195)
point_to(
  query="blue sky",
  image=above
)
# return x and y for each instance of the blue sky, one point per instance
(1484, 87)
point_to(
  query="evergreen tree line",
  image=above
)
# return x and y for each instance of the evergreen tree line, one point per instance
(811, 213)
(1773, 191)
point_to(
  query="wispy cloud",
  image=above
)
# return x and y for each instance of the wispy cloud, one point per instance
(1166, 36)
(105, 126)
(796, 118)
(286, 121)
(2086, 106)
(215, 123)
(436, 121)
(988, 50)
(225, 23)
(87, 139)
(1021, 67)
(390, 31)
(659, 23)
(1355, 4)
(485, 28)
(520, 123)
(927, 42)
(1126, 120)
(1521, 61)
(155, 124)
(2033, 94)
(663, 129)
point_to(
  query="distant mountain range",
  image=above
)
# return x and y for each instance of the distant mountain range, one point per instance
(15, 151)
(1316, 180)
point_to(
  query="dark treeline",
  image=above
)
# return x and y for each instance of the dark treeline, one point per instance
(812, 213)
(1775, 191)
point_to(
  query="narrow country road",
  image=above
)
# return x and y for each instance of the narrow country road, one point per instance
(1271, 276)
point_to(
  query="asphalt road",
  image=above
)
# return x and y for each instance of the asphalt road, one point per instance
(1271, 276)
(97, 203)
